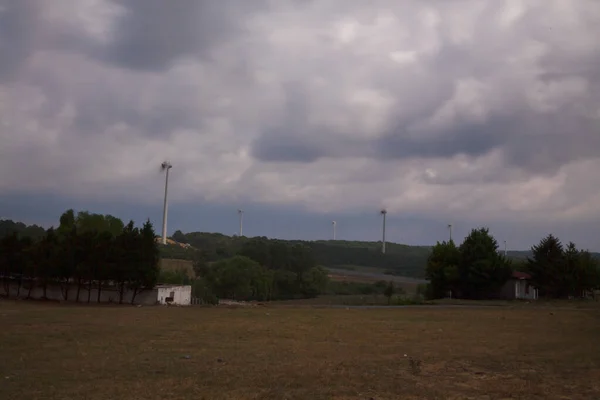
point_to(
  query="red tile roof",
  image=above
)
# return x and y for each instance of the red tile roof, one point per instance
(521, 275)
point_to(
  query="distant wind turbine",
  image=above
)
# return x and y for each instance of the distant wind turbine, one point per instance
(450, 229)
(241, 214)
(165, 166)
(333, 223)
(384, 213)
(505, 252)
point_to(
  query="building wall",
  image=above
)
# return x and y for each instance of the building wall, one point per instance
(107, 295)
(182, 295)
(518, 289)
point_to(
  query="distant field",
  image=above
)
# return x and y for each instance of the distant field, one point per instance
(365, 275)
(79, 352)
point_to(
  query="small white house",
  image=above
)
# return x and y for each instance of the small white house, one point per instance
(174, 294)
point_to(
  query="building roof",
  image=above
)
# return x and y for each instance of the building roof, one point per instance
(167, 286)
(520, 275)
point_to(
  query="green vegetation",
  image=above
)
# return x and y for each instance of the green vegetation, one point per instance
(476, 269)
(562, 272)
(97, 251)
(399, 259)
(268, 269)
(87, 251)
(264, 270)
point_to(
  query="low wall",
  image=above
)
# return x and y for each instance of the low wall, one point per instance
(55, 292)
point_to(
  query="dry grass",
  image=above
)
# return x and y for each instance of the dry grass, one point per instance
(78, 352)
(407, 287)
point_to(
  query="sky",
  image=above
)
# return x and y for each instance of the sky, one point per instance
(301, 112)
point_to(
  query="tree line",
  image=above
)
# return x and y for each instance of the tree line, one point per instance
(87, 251)
(477, 269)
(399, 259)
(98, 251)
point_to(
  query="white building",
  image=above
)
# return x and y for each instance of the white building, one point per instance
(160, 294)
(173, 294)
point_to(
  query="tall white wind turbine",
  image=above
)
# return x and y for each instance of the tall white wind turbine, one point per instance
(384, 213)
(165, 166)
(450, 229)
(241, 214)
(333, 223)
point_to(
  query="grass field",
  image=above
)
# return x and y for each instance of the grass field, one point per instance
(80, 352)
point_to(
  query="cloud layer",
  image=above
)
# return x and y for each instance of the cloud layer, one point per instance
(459, 109)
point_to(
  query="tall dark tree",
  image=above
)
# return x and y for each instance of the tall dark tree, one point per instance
(546, 266)
(145, 268)
(442, 269)
(482, 269)
(559, 273)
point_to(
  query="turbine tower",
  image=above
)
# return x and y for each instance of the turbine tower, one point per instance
(450, 230)
(333, 223)
(241, 214)
(384, 213)
(505, 248)
(165, 166)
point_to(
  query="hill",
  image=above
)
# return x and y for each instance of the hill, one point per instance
(401, 260)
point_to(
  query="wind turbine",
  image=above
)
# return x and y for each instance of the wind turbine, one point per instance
(505, 248)
(384, 213)
(333, 223)
(241, 214)
(450, 229)
(165, 166)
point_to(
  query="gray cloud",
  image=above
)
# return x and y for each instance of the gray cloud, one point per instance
(153, 34)
(17, 35)
(537, 106)
(320, 103)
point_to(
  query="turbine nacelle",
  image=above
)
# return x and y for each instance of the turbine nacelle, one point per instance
(165, 166)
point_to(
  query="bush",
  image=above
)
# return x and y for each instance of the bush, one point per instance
(408, 301)
(425, 291)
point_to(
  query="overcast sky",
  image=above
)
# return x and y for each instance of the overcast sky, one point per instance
(475, 113)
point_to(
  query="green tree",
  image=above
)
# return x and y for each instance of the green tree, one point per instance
(546, 267)
(178, 236)
(314, 282)
(46, 259)
(145, 268)
(389, 291)
(232, 278)
(482, 269)
(560, 272)
(442, 269)
(67, 222)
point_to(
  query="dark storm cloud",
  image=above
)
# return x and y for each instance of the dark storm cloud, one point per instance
(152, 34)
(275, 148)
(471, 139)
